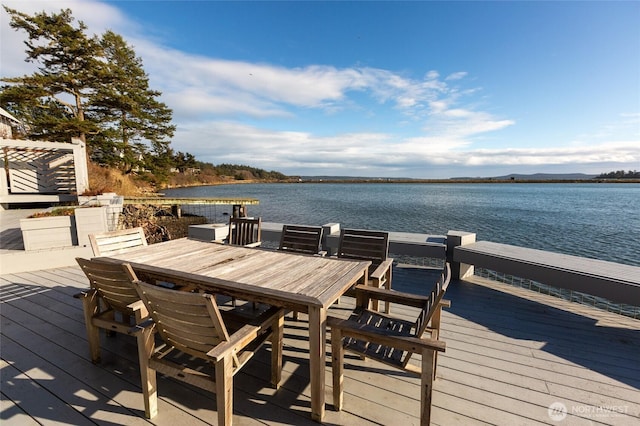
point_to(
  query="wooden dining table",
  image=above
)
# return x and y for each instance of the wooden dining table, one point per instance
(302, 283)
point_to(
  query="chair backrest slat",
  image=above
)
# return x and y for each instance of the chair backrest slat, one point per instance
(436, 295)
(191, 322)
(301, 239)
(364, 244)
(115, 242)
(244, 231)
(112, 281)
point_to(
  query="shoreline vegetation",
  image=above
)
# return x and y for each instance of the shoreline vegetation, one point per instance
(108, 179)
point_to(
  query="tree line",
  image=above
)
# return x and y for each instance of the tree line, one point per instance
(620, 174)
(95, 89)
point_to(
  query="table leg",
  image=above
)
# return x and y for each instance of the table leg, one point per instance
(317, 340)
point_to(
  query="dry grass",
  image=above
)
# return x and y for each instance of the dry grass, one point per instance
(103, 179)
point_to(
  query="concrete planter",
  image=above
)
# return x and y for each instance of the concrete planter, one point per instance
(209, 231)
(90, 220)
(111, 200)
(48, 232)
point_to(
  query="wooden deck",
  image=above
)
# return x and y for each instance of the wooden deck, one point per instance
(510, 354)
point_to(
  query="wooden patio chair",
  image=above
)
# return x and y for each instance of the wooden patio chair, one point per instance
(192, 324)
(245, 231)
(390, 340)
(116, 242)
(369, 245)
(120, 241)
(301, 239)
(111, 303)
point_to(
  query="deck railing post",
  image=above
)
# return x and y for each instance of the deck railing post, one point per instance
(239, 210)
(329, 244)
(80, 165)
(459, 238)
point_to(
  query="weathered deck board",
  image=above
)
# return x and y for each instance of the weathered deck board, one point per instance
(510, 354)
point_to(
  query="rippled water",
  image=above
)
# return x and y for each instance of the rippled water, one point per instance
(592, 220)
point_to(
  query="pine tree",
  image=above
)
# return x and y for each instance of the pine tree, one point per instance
(129, 115)
(91, 88)
(53, 99)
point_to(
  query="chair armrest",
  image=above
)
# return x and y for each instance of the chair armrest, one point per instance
(236, 342)
(245, 335)
(139, 306)
(407, 299)
(384, 338)
(144, 325)
(381, 270)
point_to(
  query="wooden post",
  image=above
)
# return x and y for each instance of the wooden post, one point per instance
(239, 210)
(329, 229)
(459, 238)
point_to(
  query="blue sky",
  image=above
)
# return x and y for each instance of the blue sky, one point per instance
(392, 89)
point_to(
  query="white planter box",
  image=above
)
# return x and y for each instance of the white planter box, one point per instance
(90, 220)
(209, 231)
(48, 232)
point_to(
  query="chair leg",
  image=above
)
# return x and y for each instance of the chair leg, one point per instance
(337, 367)
(277, 338)
(435, 334)
(111, 316)
(375, 303)
(426, 388)
(224, 390)
(90, 308)
(387, 285)
(146, 346)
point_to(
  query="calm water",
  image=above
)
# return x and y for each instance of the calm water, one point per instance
(591, 220)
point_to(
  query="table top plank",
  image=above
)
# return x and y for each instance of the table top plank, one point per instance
(254, 273)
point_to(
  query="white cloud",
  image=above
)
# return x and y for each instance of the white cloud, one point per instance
(378, 154)
(457, 75)
(97, 16)
(613, 152)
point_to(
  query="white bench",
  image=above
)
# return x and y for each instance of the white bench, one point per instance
(614, 281)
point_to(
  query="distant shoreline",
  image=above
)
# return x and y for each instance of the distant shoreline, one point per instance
(458, 181)
(410, 181)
